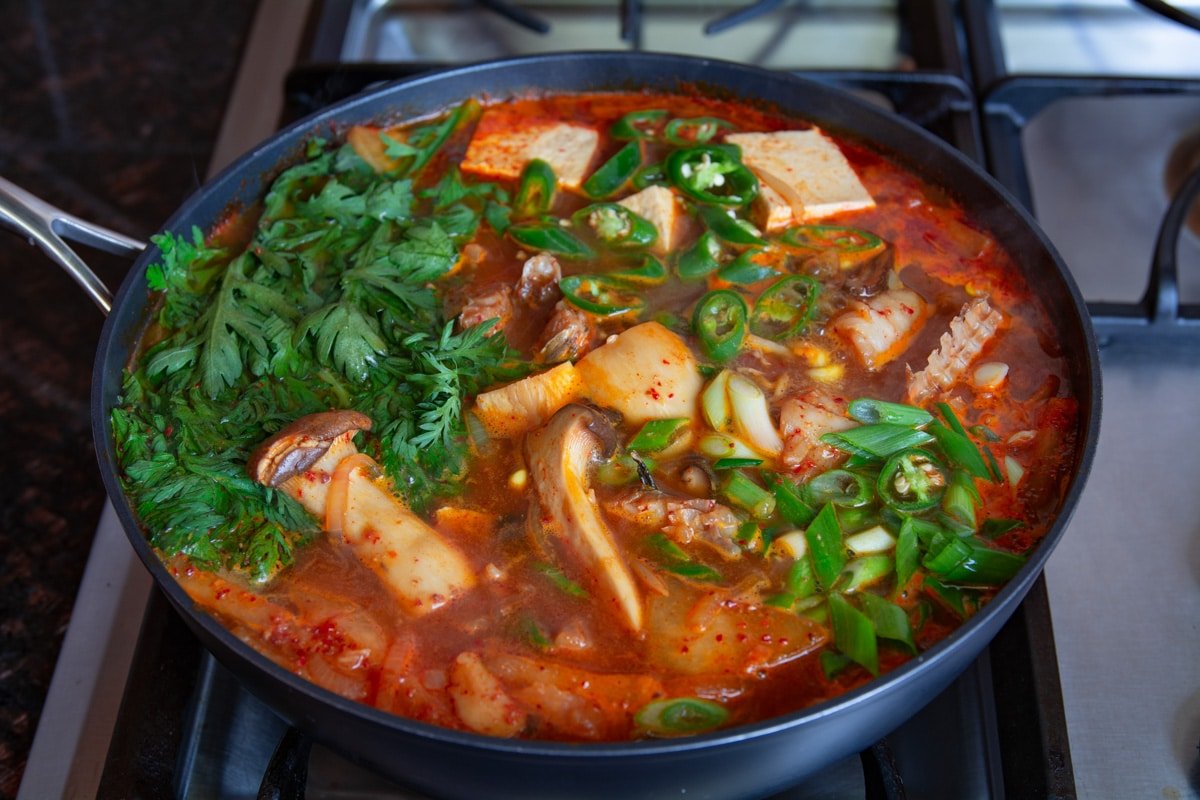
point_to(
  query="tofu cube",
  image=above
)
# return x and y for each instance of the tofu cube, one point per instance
(503, 145)
(771, 211)
(657, 205)
(806, 170)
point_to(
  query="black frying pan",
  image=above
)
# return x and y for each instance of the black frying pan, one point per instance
(747, 761)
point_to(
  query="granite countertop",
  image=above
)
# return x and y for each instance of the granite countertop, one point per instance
(109, 110)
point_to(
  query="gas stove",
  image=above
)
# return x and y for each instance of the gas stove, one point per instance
(1089, 112)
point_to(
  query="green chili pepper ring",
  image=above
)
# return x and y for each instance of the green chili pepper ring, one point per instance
(784, 309)
(912, 480)
(712, 174)
(720, 323)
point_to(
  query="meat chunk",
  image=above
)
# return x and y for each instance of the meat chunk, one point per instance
(880, 327)
(684, 519)
(803, 419)
(657, 205)
(503, 145)
(496, 304)
(538, 284)
(973, 328)
(806, 170)
(569, 334)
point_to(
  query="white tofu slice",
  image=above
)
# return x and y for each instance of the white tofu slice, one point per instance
(806, 169)
(771, 211)
(657, 205)
(500, 150)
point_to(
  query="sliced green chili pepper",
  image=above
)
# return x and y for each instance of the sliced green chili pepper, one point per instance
(730, 229)
(622, 469)
(536, 192)
(701, 258)
(912, 480)
(601, 295)
(614, 173)
(851, 244)
(617, 226)
(651, 175)
(744, 270)
(839, 487)
(550, 237)
(783, 310)
(642, 124)
(720, 323)
(560, 579)
(680, 715)
(696, 130)
(648, 272)
(711, 174)
(657, 434)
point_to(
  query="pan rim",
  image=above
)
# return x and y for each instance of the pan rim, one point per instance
(994, 614)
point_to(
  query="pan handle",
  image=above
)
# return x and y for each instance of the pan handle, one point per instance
(49, 228)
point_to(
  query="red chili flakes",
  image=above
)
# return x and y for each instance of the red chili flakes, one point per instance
(654, 393)
(222, 593)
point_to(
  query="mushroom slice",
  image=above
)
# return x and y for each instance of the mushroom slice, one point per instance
(560, 456)
(302, 456)
(314, 461)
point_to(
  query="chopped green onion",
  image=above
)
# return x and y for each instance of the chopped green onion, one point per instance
(560, 579)
(983, 566)
(666, 547)
(889, 619)
(622, 469)
(996, 526)
(985, 433)
(840, 487)
(877, 441)
(871, 541)
(695, 571)
(791, 506)
(863, 572)
(954, 599)
(960, 499)
(748, 495)
(826, 546)
(658, 434)
(869, 412)
(736, 463)
(1014, 470)
(532, 632)
(800, 581)
(960, 450)
(854, 634)
(720, 445)
(680, 715)
(907, 553)
(833, 663)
